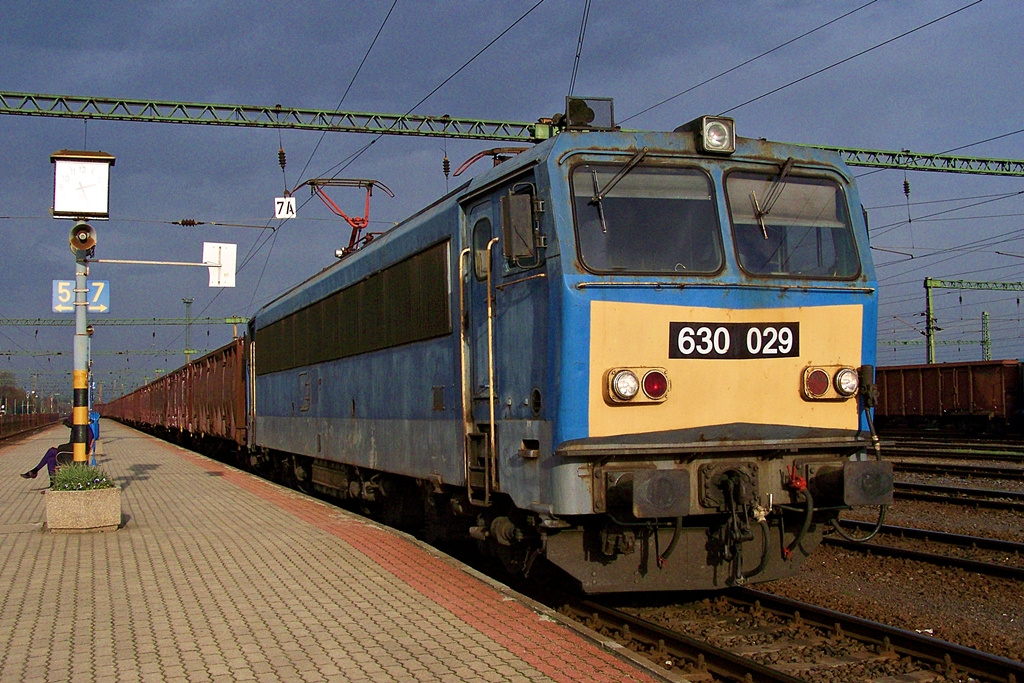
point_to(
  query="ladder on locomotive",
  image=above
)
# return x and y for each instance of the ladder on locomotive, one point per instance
(480, 465)
(480, 442)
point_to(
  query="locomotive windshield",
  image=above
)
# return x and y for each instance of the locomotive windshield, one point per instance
(648, 220)
(791, 226)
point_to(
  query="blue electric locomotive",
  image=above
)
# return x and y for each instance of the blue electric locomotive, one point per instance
(644, 356)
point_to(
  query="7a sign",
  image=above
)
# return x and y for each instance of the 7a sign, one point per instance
(284, 207)
(97, 298)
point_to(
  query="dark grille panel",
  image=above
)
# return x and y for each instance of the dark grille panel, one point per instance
(404, 303)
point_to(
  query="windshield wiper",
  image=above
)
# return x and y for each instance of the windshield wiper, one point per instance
(600, 193)
(772, 196)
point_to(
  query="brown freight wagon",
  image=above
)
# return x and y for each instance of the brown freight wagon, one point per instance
(980, 394)
(203, 399)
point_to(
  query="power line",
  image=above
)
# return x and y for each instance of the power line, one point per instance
(851, 57)
(273, 238)
(886, 229)
(579, 46)
(345, 163)
(942, 201)
(353, 80)
(742, 64)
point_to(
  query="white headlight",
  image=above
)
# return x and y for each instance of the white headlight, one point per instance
(847, 382)
(625, 384)
(718, 135)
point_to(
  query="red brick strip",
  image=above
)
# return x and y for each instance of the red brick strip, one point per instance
(551, 648)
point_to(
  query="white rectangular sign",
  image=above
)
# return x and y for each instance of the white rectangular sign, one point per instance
(221, 259)
(284, 207)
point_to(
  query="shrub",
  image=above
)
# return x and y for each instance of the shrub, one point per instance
(80, 478)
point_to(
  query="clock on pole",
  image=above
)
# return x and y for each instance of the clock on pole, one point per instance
(81, 191)
(81, 184)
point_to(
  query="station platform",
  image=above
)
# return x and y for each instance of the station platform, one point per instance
(217, 575)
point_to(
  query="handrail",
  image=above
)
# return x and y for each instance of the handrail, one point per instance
(491, 471)
(467, 411)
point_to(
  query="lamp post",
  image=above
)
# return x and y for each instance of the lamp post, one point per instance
(188, 329)
(81, 191)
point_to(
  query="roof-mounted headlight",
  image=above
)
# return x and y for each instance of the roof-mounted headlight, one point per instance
(714, 134)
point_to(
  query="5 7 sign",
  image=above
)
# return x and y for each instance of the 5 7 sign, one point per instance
(97, 298)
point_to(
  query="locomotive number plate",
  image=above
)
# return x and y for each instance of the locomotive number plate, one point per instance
(733, 340)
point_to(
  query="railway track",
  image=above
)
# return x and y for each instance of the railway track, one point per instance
(912, 436)
(955, 470)
(974, 544)
(957, 495)
(749, 635)
(904, 446)
(986, 455)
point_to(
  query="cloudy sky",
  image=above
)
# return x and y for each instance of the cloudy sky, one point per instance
(951, 83)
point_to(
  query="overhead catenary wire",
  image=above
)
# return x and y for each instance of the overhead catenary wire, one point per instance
(880, 230)
(338, 168)
(979, 245)
(850, 58)
(942, 201)
(348, 88)
(579, 47)
(256, 249)
(345, 163)
(744, 63)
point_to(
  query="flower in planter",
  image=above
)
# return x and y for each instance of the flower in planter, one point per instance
(80, 478)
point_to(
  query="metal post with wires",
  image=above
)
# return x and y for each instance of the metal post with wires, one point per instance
(81, 191)
(80, 375)
(188, 329)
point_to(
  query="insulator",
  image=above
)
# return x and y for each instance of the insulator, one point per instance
(280, 157)
(446, 166)
(906, 187)
(188, 222)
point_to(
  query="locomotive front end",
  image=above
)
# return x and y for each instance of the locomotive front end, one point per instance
(721, 324)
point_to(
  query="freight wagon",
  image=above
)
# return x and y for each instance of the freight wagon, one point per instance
(972, 396)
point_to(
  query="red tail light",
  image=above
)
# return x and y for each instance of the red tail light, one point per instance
(655, 384)
(817, 382)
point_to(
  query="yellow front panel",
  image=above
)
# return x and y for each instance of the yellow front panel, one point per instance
(719, 391)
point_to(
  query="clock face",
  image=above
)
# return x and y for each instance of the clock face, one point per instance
(80, 189)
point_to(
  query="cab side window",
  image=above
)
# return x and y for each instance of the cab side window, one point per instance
(481, 236)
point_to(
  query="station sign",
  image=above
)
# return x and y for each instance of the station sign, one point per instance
(98, 296)
(284, 207)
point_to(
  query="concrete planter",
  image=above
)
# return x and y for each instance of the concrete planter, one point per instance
(73, 512)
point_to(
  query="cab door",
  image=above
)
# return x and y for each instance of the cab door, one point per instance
(477, 271)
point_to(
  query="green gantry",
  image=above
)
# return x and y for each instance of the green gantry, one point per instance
(278, 116)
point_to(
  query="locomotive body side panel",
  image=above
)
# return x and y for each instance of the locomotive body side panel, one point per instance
(358, 365)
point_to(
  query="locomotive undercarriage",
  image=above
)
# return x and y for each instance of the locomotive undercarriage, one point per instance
(434, 512)
(707, 523)
(759, 518)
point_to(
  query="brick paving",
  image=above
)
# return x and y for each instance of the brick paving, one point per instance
(217, 575)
